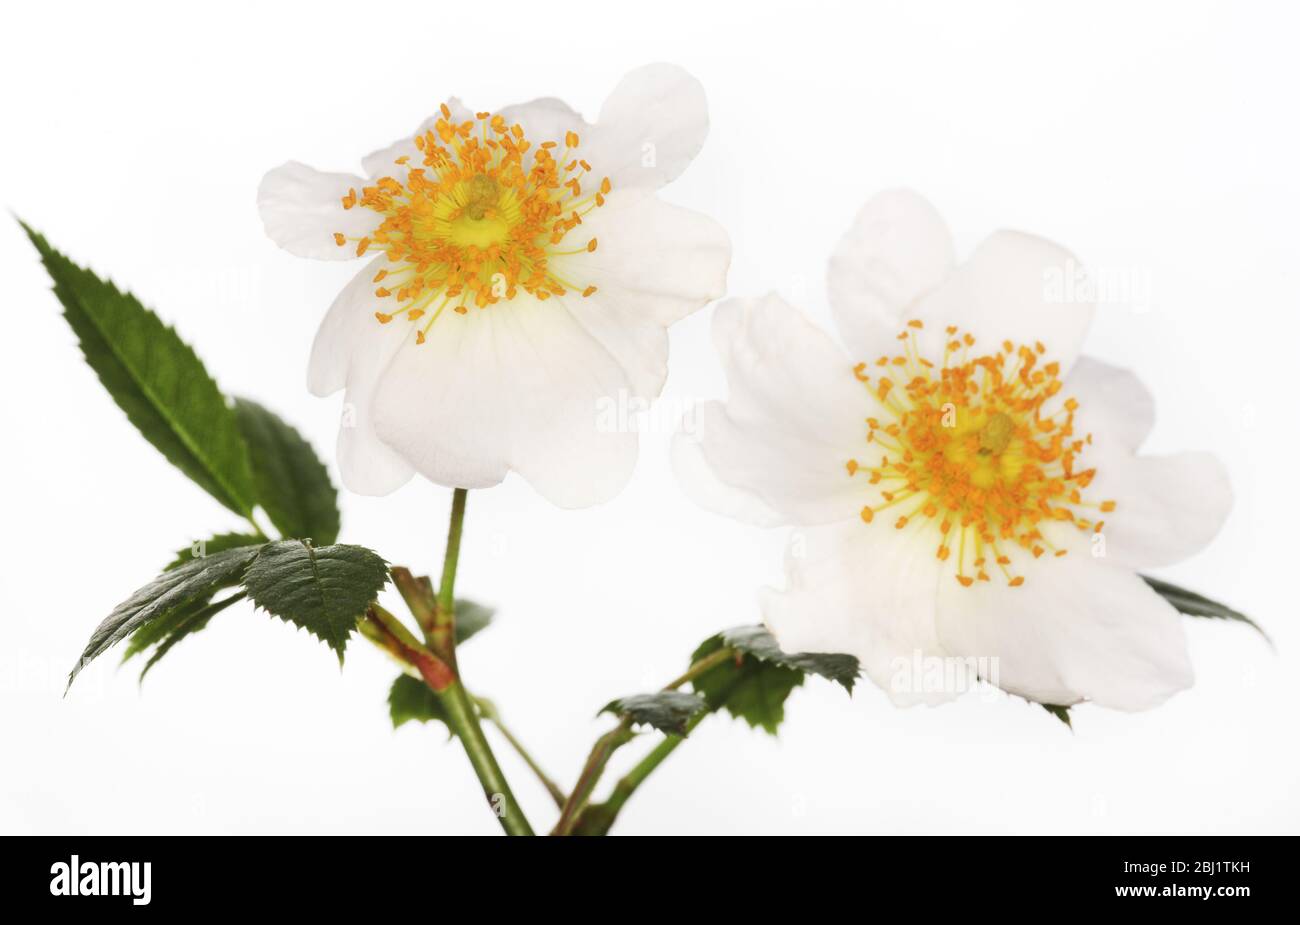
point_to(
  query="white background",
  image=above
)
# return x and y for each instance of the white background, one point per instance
(1156, 140)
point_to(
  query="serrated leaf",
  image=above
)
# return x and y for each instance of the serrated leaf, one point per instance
(155, 631)
(218, 543)
(754, 686)
(289, 479)
(155, 378)
(471, 617)
(1060, 712)
(193, 622)
(410, 699)
(1192, 604)
(748, 687)
(758, 642)
(324, 591)
(189, 585)
(667, 711)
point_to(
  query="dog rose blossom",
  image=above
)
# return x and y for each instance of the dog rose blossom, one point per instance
(965, 485)
(520, 269)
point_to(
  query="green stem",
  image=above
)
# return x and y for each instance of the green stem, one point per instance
(463, 720)
(489, 712)
(447, 588)
(615, 739)
(601, 752)
(461, 714)
(628, 783)
(709, 661)
(597, 818)
(442, 636)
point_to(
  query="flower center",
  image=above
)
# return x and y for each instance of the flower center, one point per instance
(482, 215)
(966, 450)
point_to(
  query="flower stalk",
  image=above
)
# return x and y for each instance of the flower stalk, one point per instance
(461, 714)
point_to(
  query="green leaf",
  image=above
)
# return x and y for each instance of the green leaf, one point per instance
(324, 591)
(155, 378)
(219, 543)
(758, 642)
(754, 686)
(194, 620)
(291, 483)
(189, 585)
(470, 618)
(748, 687)
(410, 699)
(1195, 605)
(155, 631)
(667, 711)
(1060, 712)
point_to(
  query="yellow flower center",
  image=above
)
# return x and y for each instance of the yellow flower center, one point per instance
(476, 220)
(967, 449)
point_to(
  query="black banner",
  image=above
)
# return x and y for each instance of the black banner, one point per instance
(136, 875)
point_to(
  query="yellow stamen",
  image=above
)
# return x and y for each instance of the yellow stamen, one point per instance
(479, 215)
(969, 437)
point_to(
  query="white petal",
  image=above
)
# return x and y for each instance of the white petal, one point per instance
(302, 208)
(383, 163)
(1167, 507)
(514, 386)
(865, 590)
(650, 128)
(1114, 405)
(654, 264)
(1009, 289)
(897, 250)
(368, 465)
(351, 350)
(794, 417)
(702, 485)
(350, 318)
(545, 119)
(1076, 630)
(668, 259)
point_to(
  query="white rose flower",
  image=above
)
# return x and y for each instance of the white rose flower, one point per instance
(964, 485)
(521, 270)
